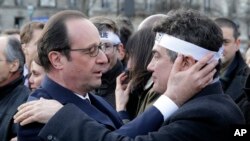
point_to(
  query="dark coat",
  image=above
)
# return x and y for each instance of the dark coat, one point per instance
(245, 106)
(234, 79)
(139, 102)
(99, 110)
(11, 96)
(107, 88)
(206, 117)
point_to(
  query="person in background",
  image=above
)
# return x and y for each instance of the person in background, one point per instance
(126, 29)
(111, 42)
(12, 91)
(37, 73)
(151, 20)
(234, 70)
(12, 32)
(139, 95)
(30, 33)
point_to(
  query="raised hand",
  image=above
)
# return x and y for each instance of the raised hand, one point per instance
(184, 84)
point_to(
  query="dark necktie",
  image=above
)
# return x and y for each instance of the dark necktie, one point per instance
(87, 100)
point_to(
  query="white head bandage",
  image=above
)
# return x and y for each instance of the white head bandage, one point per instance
(108, 36)
(183, 47)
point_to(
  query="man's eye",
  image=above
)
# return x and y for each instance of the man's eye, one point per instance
(35, 73)
(92, 50)
(108, 46)
(156, 55)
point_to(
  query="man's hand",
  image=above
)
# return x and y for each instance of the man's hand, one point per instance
(182, 85)
(121, 92)
(37, 111)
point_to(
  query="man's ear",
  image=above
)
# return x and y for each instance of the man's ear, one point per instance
(14, 66)
(237, 44)
(121, 51)
(188, 61)
(56, 59)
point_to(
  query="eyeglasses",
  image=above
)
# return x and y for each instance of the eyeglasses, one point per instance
(108, 47)
(92, 51)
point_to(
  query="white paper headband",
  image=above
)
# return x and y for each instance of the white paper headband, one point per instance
(183, 47)
(108, 36)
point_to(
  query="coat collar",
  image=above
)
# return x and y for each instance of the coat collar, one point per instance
(5, 90)
(64, 96)
(214, 88)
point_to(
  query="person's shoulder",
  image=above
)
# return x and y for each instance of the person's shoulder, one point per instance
(242, 66)
(212, 101)
(21, 93)
(214, 108)
(39, 93)
(95, 97)
(23, 89)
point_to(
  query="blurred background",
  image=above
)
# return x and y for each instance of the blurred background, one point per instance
(14, 13)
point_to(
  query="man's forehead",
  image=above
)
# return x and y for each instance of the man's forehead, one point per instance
(82, 29)
(227, 32)
(158, 48)
(3, 42)
(74, 24)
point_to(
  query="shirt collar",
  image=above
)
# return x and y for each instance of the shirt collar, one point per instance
(83, 97)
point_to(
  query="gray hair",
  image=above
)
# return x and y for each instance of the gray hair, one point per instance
(14, 52)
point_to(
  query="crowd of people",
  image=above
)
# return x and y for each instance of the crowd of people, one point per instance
(178, 76)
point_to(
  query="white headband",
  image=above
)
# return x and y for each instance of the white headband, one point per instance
(108, 36)
(183, 47)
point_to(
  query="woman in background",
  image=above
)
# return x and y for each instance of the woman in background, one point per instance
(133, 98)
(37, 73)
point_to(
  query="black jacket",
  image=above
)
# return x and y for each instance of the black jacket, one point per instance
(11, 96)
(107, 89)
(234, 79)
(245, 105)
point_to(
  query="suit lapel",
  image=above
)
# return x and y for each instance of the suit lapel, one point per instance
(65, 96)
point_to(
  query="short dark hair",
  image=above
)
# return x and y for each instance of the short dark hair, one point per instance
(125, 28)
(225, 22)
(103, 24)
(193, 27)
(54, 36)
(14, 51)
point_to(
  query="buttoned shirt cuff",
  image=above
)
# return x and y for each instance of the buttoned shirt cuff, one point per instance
(166, 106)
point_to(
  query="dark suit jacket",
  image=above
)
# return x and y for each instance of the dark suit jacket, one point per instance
(99, 110)
(206, 117)
(12, 95)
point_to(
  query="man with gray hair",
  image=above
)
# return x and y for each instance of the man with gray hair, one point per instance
(12, 91)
